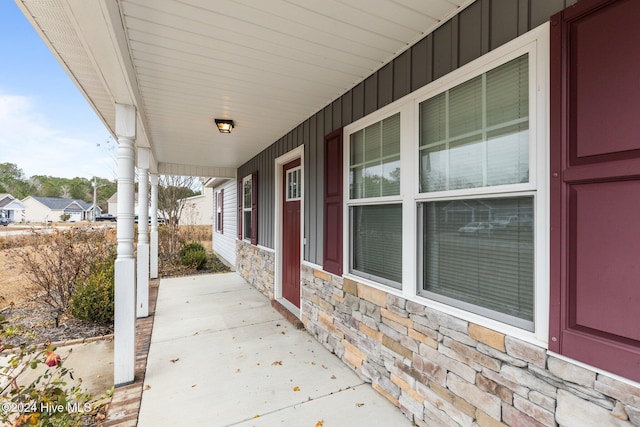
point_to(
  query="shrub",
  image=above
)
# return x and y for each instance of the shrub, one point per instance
(53, 398)
(55, 263)
(193, 254)
(93, 299)
(191, 246)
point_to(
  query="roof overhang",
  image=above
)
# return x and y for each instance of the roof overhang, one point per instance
(268, 65)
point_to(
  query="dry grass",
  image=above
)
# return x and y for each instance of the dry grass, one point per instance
(15, 287)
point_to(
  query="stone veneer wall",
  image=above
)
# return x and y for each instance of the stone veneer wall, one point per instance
(444, 371)
(257, 266)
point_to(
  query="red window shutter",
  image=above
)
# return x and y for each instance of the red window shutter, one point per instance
(254, 208)
(332, 250)
(222, 211)
(239, 219)
(595, 185)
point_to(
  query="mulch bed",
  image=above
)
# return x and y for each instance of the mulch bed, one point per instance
(31, 323)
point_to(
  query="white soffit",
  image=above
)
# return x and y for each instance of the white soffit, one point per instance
(266, 64)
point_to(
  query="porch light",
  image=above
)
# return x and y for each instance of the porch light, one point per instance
(224, 126)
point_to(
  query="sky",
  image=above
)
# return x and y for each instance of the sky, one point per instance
(46, 125)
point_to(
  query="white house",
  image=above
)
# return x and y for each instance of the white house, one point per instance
(197, 210)
(11, 208)
(224, 226)
(113, 204)
(43, 209)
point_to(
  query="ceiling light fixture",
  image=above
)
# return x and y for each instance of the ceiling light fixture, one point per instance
(224, 126)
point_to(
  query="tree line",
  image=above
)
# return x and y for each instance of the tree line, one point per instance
(14, 182)
(171, 191)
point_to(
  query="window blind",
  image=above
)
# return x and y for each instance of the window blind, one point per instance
(377, 242)
(480, 252)
(476, 134)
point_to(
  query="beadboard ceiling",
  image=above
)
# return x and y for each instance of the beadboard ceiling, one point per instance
(266, 64)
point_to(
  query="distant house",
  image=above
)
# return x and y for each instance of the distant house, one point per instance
(112, 204)
(11, 208)
(197, 209)
(41, 209)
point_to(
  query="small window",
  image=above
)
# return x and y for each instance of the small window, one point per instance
(246, 208)
(294, 184)
(219, 211)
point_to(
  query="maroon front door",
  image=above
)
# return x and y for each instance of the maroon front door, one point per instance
(292, 194)
(595, 185)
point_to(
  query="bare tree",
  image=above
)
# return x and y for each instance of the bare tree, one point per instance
(172, 194)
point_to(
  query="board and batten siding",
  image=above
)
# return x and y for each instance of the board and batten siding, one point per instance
(479, 28)
(224, 244)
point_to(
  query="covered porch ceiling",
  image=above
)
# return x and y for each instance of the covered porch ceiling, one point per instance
(266, 64)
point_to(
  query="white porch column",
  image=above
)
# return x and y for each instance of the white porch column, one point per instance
(124, 345)
(154, 226)
(142, 307)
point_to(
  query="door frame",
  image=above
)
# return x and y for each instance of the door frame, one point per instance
(278, 171)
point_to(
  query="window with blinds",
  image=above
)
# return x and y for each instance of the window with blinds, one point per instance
(477, 253)
(477, 133)
(376, 240)
(374, 160)
(376, 229)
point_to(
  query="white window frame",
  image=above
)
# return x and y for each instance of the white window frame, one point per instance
(405, 111)
(246, 209)
(536, 44)
(219, 208)
(297, 171)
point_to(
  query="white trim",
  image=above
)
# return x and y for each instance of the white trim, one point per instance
(314, 266)
(299, 189)
(536, 44)
(594, 369)
(264, 248)
(218, 225)
(290, 307)
(279, 163)
(244, 208)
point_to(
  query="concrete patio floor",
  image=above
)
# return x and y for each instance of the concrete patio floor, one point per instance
(220, 355)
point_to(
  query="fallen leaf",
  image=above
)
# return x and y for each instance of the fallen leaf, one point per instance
(194, 385)
(324, 367)
(238, 371)
(147, 387)
(283, 332)
(313, 363)
(256, 416)
(174, 360)
(359, 405)
(277, 362)
(277, 325)
(333, 377)
(320, 423)
(296, 388)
